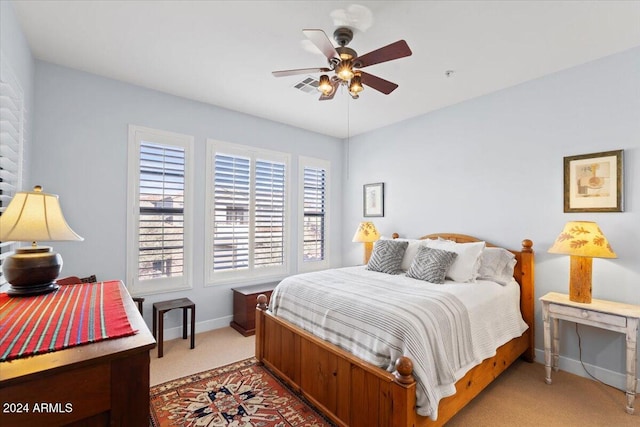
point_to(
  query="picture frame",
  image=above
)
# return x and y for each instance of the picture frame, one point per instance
(593, 182)
(373, 199)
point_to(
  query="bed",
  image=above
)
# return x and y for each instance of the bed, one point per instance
(353, 392)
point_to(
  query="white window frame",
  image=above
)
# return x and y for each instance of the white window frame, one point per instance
(309, 162)
(12, 142)
(137, 134)
(250, 274)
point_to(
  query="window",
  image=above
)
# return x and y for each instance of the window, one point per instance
(12, 124)
(159, 228)
(248, 210)
(313, 182)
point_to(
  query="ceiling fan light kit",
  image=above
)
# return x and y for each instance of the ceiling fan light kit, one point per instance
(345, 70)
(355, 86)
(346, 64)
(325, 85)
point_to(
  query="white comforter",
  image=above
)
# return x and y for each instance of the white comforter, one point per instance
(468, 322)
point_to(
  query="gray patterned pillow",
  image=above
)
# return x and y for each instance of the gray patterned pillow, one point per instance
(387, 256)
(431, 264)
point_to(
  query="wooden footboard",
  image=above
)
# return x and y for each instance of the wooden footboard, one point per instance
(352, 392)
(346, 389)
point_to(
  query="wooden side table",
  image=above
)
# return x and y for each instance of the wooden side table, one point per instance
(612, 316)
(160, 308)
(244, 306)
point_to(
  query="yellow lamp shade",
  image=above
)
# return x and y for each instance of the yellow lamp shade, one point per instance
(366, 232)
(584, 239)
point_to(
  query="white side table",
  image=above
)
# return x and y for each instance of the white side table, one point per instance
(613, 316)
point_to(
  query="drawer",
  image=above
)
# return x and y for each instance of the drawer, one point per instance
(594, 316)
(61, 398)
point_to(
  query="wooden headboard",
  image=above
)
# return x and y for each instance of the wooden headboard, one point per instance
(523, 273)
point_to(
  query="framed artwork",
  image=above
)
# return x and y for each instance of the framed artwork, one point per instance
(593, 182)
(373, 199)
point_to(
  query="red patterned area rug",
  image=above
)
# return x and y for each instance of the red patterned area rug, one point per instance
(242, 394)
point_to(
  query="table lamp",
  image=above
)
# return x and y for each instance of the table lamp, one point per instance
(367, 234)
(32, 216)
(583, 240)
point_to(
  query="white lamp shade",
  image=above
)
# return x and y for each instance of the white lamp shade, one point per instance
(35, 216)
(366, 232)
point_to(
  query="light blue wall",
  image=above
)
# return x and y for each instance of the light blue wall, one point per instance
(15, 50)
(81, 147)
(492, 167)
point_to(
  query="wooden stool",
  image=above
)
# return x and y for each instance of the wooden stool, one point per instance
(160, 308)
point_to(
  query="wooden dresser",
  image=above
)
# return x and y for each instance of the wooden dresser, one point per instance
(100, 384)
(244, 306)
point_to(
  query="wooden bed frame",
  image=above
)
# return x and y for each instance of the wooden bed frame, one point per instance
(352, 392)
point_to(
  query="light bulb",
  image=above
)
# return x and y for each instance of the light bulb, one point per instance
(344, 71)
(325, 85)
(355, 86)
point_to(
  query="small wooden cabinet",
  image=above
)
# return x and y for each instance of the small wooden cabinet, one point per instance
(244, 306)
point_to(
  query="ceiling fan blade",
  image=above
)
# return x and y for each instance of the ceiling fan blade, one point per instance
(396, 50)
(381, 85)
(324, 97)
(284, 73)
(322, 42)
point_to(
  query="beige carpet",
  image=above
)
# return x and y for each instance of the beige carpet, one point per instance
(519, 397)
(213, 348)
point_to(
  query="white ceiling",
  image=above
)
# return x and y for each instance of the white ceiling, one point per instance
(223, 52)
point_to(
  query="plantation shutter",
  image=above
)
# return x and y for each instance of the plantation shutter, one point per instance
(161, 202)
(314, 214)
(269, 213)
(11, 146)
(231, 212)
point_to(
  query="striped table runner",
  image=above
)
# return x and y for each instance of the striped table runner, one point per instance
(73, 315)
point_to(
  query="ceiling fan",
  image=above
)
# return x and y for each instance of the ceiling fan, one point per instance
(346, 64)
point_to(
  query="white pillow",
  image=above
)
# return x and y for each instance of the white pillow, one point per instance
(496, 264)
(507, 273)
(411, 252)
(466, 265)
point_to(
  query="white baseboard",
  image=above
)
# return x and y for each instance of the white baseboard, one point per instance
(612, 378)
(207, 325)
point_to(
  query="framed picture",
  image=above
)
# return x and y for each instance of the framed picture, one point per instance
(593, 182)
(373, 199)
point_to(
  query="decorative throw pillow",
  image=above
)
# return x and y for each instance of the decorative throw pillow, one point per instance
(387, 256)
(465, 266)
(431, 264)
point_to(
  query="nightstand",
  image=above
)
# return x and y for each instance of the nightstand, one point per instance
(612, 316)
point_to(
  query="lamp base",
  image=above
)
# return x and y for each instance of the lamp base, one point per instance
(32, 271)
(580, 279)
(22, 291)
(368, 247)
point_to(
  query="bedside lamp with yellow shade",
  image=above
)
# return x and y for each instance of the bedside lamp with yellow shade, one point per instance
(30, 217)
(367, 234)
(583, 241)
